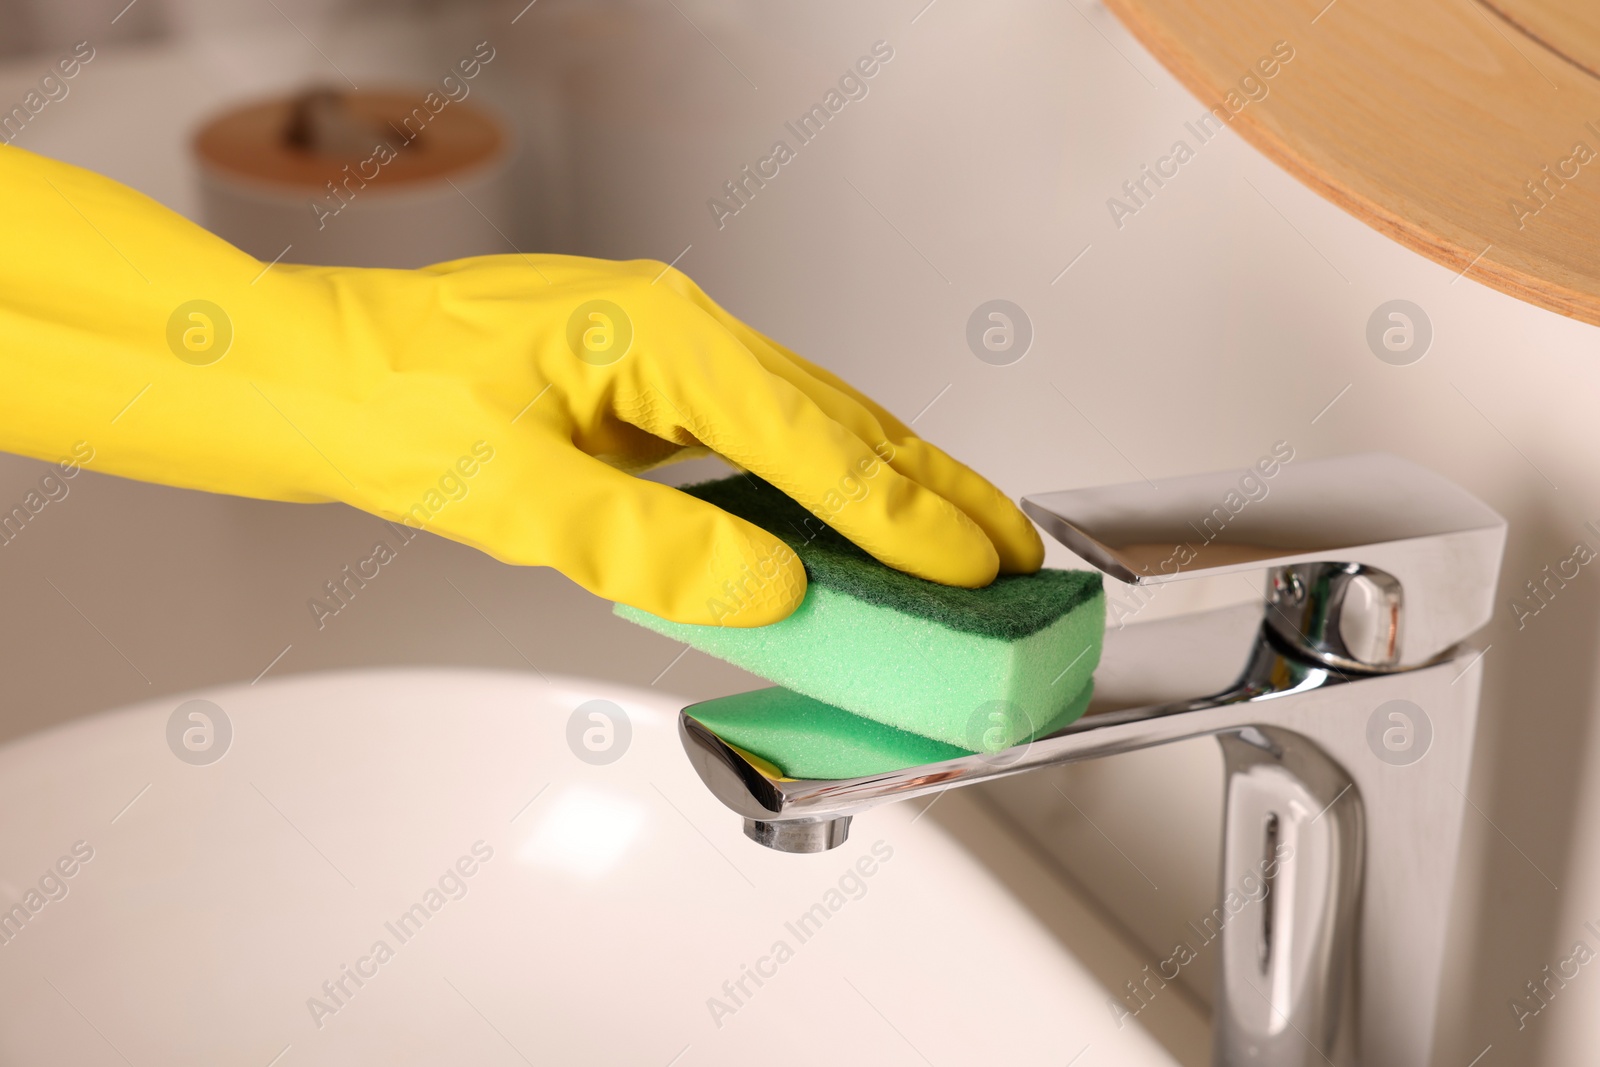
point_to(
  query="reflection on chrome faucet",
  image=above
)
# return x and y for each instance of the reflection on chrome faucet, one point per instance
(1253, 889)
(1252, 487)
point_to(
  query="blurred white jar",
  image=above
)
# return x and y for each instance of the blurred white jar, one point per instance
(394, 178)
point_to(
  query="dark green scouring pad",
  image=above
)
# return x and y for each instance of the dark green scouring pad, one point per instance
(805, 738)
(973, 668)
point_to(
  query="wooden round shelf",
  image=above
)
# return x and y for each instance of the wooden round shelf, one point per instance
(1468, 130)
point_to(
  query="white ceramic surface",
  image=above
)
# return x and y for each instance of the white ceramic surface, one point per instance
(617, 900)
(405, 228)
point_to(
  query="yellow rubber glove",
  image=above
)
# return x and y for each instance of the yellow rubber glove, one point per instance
(500, 401)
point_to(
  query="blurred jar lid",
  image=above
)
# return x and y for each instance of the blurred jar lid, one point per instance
(307, 139)
(1467, 130)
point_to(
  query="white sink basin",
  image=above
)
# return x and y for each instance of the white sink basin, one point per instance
(606, 907)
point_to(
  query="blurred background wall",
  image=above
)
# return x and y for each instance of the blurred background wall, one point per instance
(1228, 313)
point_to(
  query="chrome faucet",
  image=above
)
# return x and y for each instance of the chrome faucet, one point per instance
(1346, 735)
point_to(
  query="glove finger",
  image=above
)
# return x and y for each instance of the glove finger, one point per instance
(1014, 537)
(695, 382)
(623, 538)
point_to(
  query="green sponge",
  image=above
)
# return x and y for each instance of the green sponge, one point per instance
(805, 738)
(973, 668)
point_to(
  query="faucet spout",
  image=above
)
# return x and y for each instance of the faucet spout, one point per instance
(754, 792)
(799, 835)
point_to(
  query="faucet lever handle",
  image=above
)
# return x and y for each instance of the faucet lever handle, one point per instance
(1375, 563)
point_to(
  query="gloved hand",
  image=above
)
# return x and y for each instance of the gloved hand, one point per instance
(501, 401)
